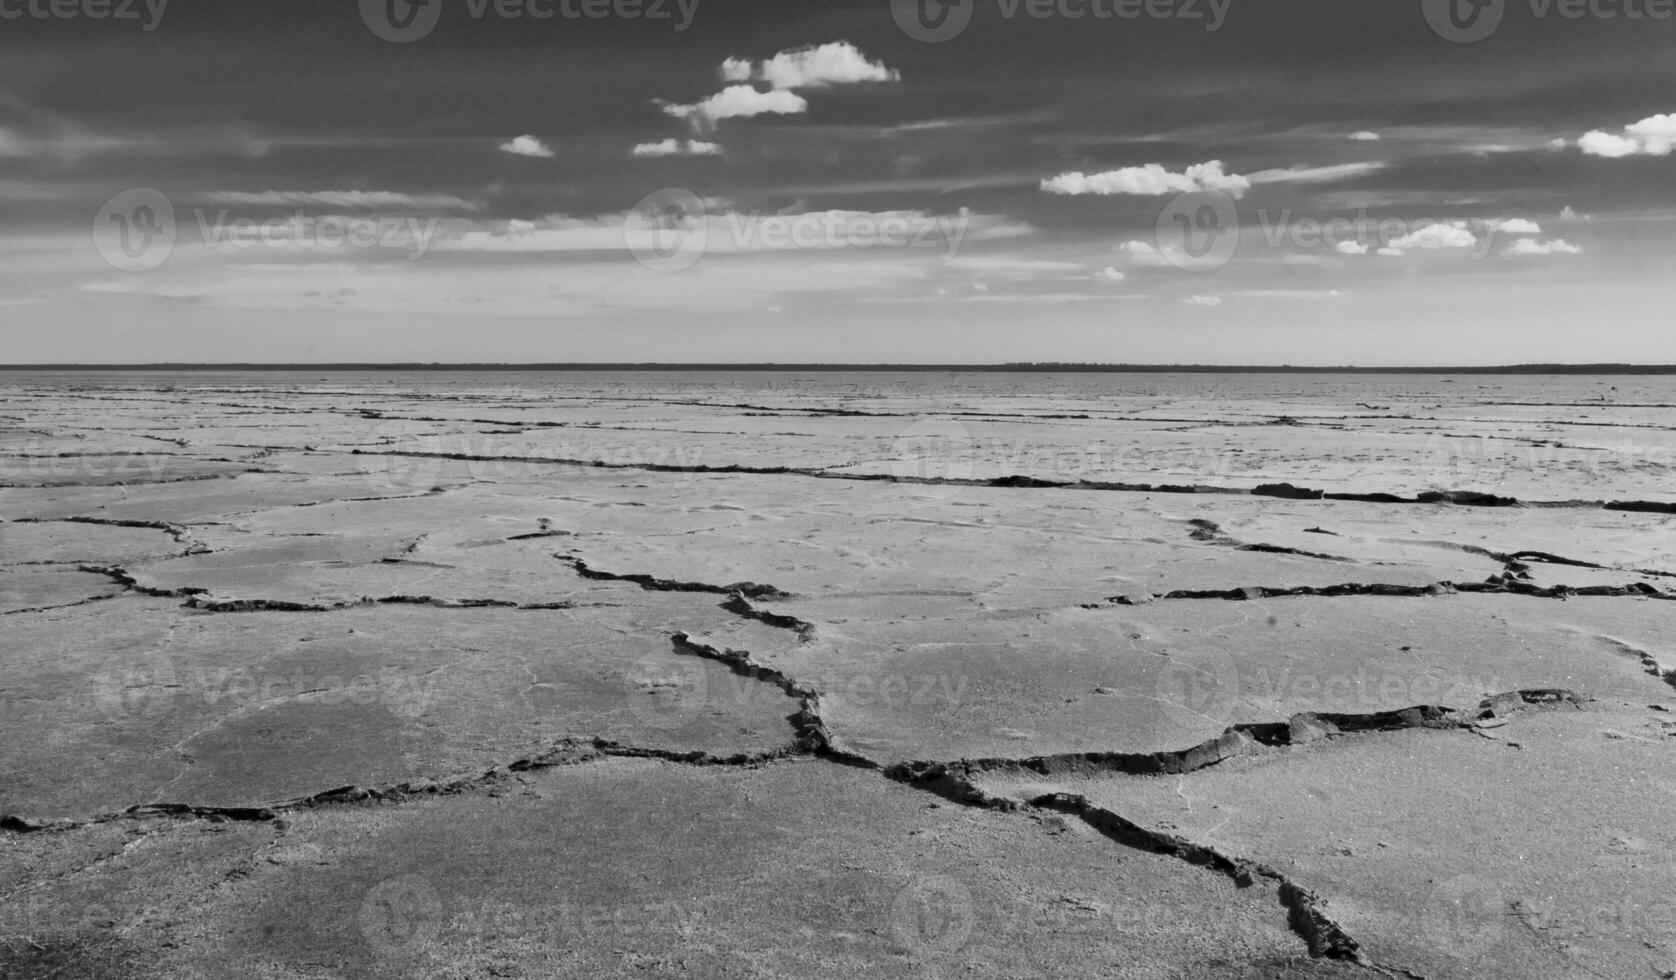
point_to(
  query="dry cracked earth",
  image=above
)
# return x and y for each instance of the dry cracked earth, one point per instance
(310, 676)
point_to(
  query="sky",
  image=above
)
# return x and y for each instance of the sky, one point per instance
(1308, 182)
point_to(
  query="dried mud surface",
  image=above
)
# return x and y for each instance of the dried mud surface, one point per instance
(735, 676)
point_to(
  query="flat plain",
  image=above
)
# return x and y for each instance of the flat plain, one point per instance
(453, 674)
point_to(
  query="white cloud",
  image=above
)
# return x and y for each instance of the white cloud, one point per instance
(736, 70)
(1558, 143)
(1653, 136)
(677, 148)
(1365, 136)
(1151, 180)
(1348, 247)
(526, 146)
(1601, 144)
(1316, 175)
(1516, 226)
(1112, 275)
(1143, 254)
(1203, 301)
(1569, 213)
(1530, 246)
(837, 63)
(738, 102)
(1452, 234)
(366, 200)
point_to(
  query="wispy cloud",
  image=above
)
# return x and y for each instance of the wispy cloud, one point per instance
(677, 148)
(526, 146)
(1150, 180)
(357, 200)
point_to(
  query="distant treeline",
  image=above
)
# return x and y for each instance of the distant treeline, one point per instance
(1032, 367)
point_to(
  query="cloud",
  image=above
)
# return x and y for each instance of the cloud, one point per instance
(1365, 136)
(1452, 234)
(1206, 301)
(815, 66)
(526, 146)
(736, 70)
(1530, 246)
(1654, 136)
(738, 102)
(1351, 248)
(1143, 254)
(1112, 275)
(1151, 180)
(1516, 226)
(677, 148)
(1316, 175)
(364, 200)
(837, 63)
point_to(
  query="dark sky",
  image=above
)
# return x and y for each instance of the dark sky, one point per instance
(1364, 182)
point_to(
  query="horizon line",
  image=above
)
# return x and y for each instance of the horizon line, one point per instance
(1027, 367)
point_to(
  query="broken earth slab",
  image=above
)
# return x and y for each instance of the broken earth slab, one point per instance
(1535, 848)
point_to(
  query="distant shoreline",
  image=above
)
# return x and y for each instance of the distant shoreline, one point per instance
(1019, 368)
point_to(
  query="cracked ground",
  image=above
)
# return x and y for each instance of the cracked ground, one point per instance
(312, 676)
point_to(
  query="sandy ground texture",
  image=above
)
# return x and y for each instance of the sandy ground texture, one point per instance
(308, 676)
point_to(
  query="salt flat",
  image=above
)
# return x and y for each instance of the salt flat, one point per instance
(457, 674)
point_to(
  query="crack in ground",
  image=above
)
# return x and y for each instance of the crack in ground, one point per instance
(1506, 584)
(1467, 498)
